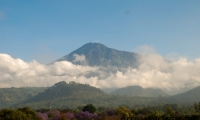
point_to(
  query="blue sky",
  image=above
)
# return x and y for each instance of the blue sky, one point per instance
(47, 30)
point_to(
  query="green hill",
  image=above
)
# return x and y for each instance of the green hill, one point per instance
(63, 90)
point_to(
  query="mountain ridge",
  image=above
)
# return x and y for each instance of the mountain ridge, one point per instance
(97, 54)
(189, 96)
(139, 91)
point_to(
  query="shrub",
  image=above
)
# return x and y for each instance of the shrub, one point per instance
(90, 108)
(19, 114)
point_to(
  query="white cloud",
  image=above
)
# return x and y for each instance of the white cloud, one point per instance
(79, 58)
(15, 72)
(8, 64)
(153, 71)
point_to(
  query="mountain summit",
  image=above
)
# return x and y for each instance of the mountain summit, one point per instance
(96, 54)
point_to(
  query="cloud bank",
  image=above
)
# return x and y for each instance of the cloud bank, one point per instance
(153, 71)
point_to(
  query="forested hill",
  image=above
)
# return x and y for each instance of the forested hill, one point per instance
(63, 90)
(190, 96)
(97, 54)
(139, 91)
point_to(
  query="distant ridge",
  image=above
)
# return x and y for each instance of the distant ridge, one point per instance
(139, 91)
(190, 96)
(97, 54)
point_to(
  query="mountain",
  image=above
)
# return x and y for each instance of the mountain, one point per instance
(96, 54)
(139, 91)
(190, 96)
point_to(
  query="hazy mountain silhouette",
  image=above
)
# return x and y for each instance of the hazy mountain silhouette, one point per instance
(139, 91)
(97, 54)
(190, 96)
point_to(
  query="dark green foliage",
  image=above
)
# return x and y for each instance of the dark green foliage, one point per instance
(50, 115)
(197, 107)
(26, 110)
(43, 110)
(90, 108)
(169, 110)
(19, 114)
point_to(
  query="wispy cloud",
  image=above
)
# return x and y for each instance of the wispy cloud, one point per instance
(145, 49)
(80, 59)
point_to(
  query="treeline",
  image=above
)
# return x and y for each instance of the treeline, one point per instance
(90, 112)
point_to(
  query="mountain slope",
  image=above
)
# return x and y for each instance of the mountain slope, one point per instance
(190, 96)
(97, 54)
(139, 91)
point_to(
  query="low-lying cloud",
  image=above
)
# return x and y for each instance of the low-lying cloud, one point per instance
(153, 71)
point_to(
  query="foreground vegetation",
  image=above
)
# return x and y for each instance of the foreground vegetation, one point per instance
(90, 112)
